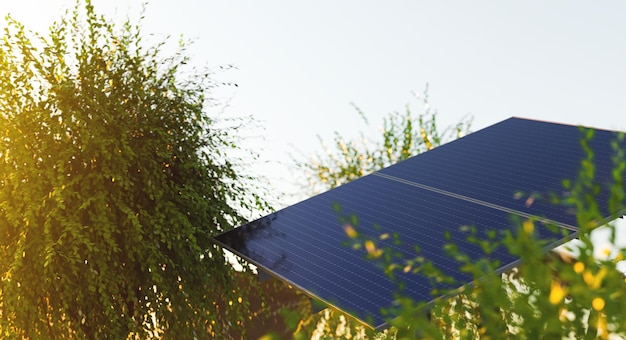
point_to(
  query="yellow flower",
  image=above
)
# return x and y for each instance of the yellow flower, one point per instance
(529, 227)
(588, 277)
(557, 293)
(579, 267)
(606, 251)
(350, 231)
(594, 281)
(371, 249)
(598, 304)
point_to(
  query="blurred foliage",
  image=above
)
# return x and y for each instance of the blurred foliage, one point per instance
(403, 135)
(113, 178)
(550, 296)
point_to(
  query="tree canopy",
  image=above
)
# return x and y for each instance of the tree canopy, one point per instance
(404, 134)
(113, 178)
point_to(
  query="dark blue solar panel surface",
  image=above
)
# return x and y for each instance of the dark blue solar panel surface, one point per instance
(469, 182)
(516, 154)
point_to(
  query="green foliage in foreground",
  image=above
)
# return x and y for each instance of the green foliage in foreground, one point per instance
(113, 177)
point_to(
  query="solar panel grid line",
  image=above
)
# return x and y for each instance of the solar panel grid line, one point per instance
(304, 278)
(321, 278)
(469, 199)
(470, 176)
(523, 133)
(349, 253)
(402, 227)
(509, 266)
(316, 295)
(508, 177)
(558, 142)
(488, 144)
(344, 250)
(434, 164)
(452, 239)
(297, 230)
(399, 227)
(356, 273)
(417, 241)
(500, 270)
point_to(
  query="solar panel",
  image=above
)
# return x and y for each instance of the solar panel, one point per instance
(473, 181)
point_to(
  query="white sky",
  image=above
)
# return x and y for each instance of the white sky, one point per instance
(300, 64)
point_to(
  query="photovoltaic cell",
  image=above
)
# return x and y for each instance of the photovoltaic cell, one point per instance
(425, 200)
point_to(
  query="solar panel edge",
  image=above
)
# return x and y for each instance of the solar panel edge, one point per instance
(307, 292)
(501, 270)
(507, 121)
(559, 123)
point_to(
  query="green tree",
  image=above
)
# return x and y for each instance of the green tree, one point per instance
(113, 178)
(404, 134)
